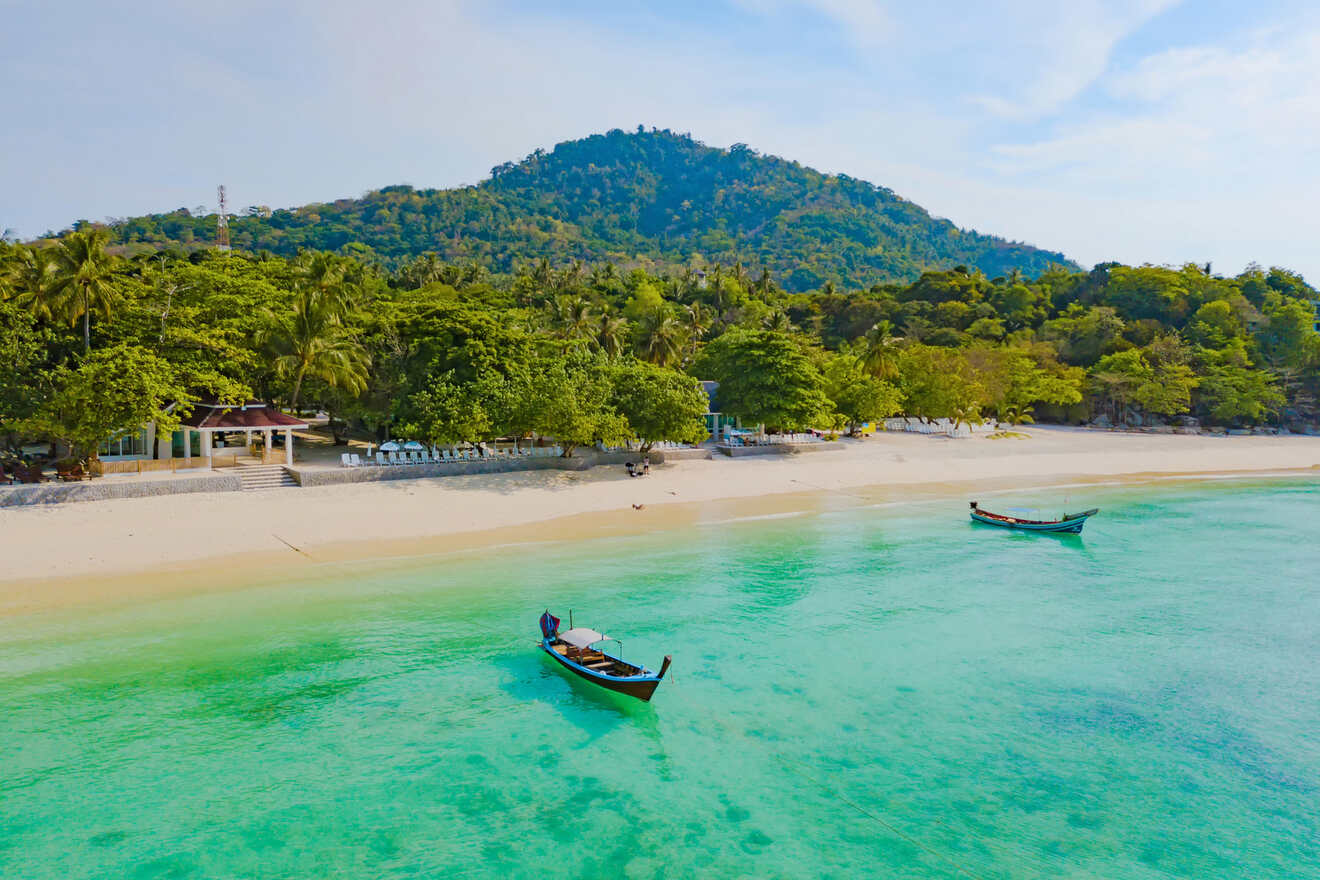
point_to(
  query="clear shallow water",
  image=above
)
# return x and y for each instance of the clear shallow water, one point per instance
(866, 692)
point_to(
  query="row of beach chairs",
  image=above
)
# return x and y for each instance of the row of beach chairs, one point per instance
(938, 426)
(445, 456)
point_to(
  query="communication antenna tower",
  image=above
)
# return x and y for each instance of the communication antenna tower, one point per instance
(222, 220)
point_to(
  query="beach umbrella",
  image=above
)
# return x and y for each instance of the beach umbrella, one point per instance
(414, 445)
(390, 446)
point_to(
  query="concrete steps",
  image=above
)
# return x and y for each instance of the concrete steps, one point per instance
(265, 476)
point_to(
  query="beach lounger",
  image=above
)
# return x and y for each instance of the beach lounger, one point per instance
(344, 460)
(355, 460)
(380, 459)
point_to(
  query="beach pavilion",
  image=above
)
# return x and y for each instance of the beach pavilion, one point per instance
(211, 419)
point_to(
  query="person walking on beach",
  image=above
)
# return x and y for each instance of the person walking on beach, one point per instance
(646, 465)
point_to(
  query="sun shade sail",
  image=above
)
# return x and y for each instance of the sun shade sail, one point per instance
(581, 638)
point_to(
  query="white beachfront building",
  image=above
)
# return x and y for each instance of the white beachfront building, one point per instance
(211, 426)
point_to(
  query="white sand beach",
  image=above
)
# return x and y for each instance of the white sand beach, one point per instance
(82, 542)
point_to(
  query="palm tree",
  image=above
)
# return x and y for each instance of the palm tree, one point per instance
(880, 355)
(660, 338)
(85, 278)
(1016, 414)
(698, 321)
(311, 342)
(777, 320)
(574, 316)
(329, 279)
(34, 281)
(612, 334)
(965, 416)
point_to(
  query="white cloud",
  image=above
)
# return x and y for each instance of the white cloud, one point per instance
(1200, 152)
(1207, 153)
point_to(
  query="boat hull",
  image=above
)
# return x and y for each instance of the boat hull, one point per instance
(1071, 526)
(639, 686)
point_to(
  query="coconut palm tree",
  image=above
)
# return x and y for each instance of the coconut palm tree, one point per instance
(574, 317)
(34, 283)
(330, 279)
(310, 342)
(965, 416)
(85, 279)
(660, 338)
(880, 352)
(1016, 414)
(612, 334)
(777, 320)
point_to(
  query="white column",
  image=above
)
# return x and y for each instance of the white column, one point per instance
(207, 439)
(247, 442)
(265, 445)
(288, 446)
(187, 446)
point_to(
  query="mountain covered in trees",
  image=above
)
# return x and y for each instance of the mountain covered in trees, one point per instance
(647, 199)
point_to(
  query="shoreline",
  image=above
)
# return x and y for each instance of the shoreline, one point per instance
(286, 554)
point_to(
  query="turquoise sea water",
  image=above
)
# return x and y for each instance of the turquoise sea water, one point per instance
(869, 692)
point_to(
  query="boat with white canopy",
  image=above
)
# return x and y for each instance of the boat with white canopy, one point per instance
(578, 651)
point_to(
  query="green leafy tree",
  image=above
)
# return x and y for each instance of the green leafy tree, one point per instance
(658, 403)
(1231, 390)
(938, 383)
(1085, 335)
(446, 412)
(1130, 377)
(571, 400)
(765, 378)
(858, 396)
(23, 380)
(113, 390)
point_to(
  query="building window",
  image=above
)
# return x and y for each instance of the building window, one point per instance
(133, 443)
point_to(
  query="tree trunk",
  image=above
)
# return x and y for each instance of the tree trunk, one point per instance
(87, 326)
(297, 388)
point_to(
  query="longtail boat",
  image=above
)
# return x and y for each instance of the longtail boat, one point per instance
(576, 651)
(1070, 523)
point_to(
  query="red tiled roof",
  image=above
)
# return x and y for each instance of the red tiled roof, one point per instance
(252, 415)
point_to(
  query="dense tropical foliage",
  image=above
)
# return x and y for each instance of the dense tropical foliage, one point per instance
(586, 353)
(649, 199)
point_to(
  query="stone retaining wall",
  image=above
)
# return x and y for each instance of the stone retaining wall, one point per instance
(780, 448)
(113, 487)
(581, 461)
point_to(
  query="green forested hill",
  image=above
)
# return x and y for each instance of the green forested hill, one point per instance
(653, 199)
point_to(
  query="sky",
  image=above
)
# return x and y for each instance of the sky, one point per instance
(1143, 131)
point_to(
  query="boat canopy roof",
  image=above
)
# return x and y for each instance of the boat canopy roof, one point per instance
(582, 637)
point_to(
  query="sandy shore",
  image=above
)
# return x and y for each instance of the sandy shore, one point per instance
(97, 548)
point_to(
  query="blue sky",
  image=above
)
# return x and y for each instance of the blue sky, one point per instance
(1135, 130)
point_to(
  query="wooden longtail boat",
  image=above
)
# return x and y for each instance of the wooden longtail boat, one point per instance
(1070, 523)
(576, 651)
